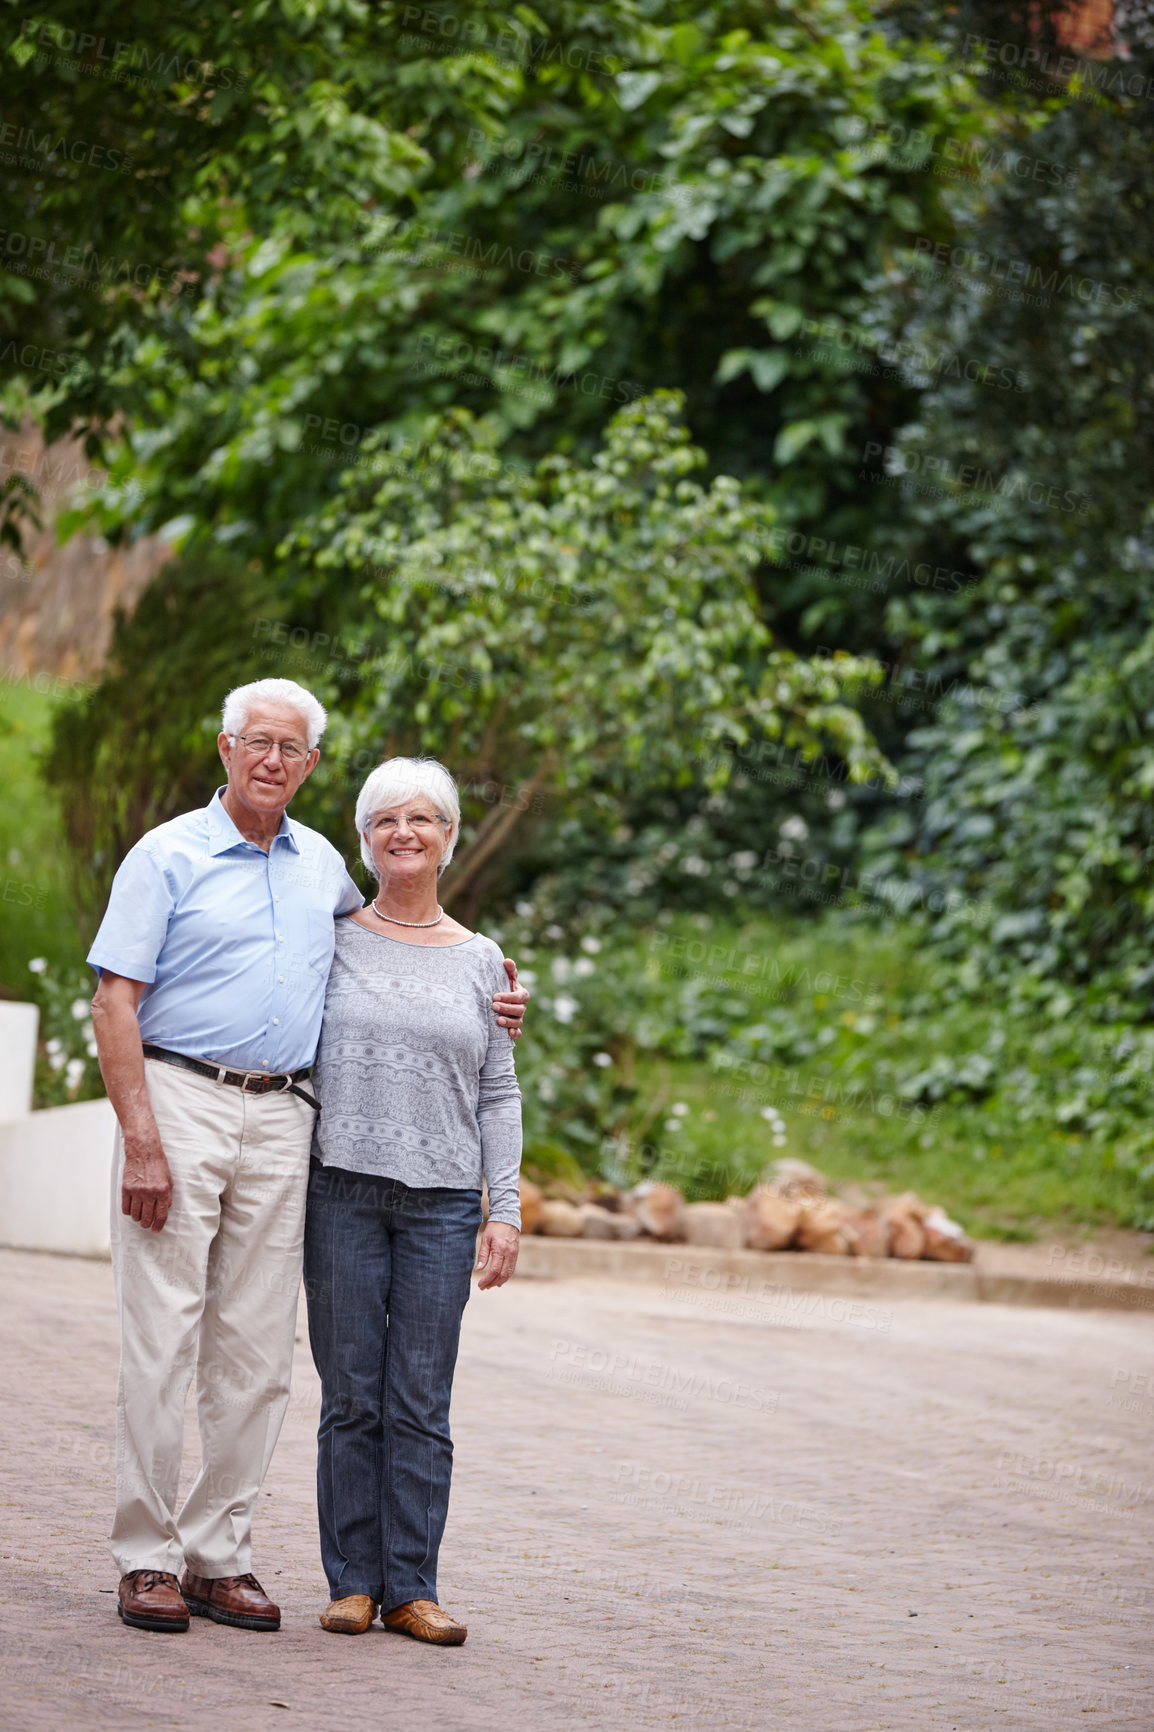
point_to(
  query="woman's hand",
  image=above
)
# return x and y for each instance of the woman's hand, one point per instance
(497, 1253)
(510, 1005)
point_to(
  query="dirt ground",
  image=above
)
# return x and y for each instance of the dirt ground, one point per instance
(730, 1513)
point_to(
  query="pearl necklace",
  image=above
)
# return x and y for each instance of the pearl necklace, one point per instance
(396, 922)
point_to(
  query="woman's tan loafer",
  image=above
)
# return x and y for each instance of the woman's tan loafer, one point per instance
(350, 1617)
(425, 1620)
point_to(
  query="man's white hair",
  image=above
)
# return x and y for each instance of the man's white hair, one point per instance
(235, 710)
(397, 781)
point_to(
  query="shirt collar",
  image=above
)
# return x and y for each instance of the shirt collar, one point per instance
(223, 833)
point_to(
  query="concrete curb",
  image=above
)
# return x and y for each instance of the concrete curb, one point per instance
(699, 1270)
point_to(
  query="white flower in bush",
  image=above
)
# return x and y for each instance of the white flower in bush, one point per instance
(602, 1059)
(590, 944)
(38, 964)
(561, 968)
(776, 1124)
(564, 1007)
(79, 1008)
(680, 1109)
(73, 1072)
(527, 977)
(794, 829)
(584, 966)
(525, 910)
(554, 932)
(674, 1125)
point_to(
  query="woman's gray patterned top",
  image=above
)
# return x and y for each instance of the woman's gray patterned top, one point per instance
(414, 1073)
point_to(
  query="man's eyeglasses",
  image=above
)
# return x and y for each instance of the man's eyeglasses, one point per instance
(260, 745)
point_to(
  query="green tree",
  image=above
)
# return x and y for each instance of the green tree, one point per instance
(577, 636)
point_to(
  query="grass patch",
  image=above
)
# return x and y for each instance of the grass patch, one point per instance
(876, 1063)
(1002, 1182)
(37, 910)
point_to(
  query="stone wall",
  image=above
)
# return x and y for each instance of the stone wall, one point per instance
(56, 604)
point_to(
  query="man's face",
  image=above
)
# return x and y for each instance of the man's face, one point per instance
(266, 780)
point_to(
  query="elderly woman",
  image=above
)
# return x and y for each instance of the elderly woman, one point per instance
(419, 1099)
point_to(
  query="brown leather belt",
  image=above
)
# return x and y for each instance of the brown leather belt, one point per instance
(251, 1082)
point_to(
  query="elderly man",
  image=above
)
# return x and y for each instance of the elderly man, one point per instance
(213, 956)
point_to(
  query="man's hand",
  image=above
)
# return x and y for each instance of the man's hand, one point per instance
(146, 1183)
(510, 1006)
(497, 1253)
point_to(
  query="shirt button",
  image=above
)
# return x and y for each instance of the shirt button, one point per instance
(280, 938)
(276, 898)
(264, 1063)
(280, 979)
(276, 1021)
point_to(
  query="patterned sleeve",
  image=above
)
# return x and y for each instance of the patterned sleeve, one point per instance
(499, 1115)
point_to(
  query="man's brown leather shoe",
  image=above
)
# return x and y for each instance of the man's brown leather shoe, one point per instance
(425, 1620)
(350, 1616)
(151, 1600)
(237, 1600)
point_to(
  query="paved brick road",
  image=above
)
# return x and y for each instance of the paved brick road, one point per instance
(664, 1516)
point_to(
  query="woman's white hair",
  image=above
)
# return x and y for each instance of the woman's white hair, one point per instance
(235, 710)
(398, 780)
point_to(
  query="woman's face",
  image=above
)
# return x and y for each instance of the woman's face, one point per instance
(407, 841)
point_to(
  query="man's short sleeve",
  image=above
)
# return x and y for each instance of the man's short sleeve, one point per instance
(349, 897)
(135, 922)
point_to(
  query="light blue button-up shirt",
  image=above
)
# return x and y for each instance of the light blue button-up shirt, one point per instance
(234, 944)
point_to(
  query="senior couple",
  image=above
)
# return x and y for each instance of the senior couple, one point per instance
(230, 932)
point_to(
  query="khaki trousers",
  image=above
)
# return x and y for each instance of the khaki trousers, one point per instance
(215, 1292)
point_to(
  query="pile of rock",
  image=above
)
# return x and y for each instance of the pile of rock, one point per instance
(790, 1210)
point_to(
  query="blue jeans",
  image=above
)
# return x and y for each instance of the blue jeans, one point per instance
(387, 1278)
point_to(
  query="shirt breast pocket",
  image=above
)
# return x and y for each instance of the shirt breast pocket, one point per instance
(321, 941)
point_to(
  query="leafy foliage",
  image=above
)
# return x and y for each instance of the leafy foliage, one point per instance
(140, 747)
(1040, 799)
(584, 633)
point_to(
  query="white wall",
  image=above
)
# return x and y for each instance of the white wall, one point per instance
(18, 1025)
(56, 1165)
(55, 1173)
